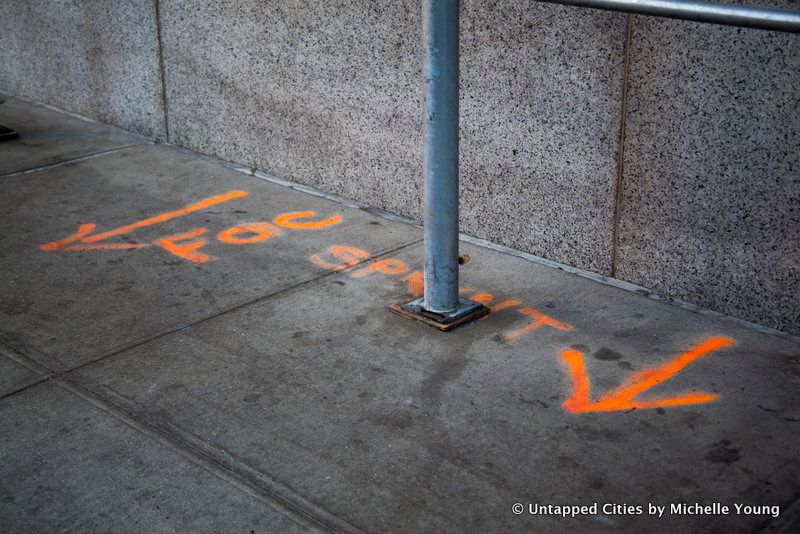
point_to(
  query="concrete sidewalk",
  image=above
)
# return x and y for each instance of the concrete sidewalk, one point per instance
(186, 347)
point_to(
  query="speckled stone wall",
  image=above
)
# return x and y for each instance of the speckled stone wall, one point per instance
(324, 93)
(710, 199)
(97, 58)
(329, 94)
(540, 114)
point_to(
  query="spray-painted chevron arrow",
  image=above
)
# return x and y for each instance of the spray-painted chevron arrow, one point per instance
(625, 396)
(81, 240)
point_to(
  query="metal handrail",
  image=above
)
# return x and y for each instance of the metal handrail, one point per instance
(762, 18)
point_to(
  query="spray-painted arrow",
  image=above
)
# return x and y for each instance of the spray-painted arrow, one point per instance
(81, 240)
(624, 396)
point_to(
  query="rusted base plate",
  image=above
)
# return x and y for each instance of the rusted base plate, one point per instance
(7, 134)
(430, 319)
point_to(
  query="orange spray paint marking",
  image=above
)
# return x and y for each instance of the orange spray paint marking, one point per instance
(623, 397)
(287, 220)
(508, 303)
(487, 298)
(415, 283)
(388, 266)
(259, 231)
(415, 286)
(350, 257)
(186, 250)
(85, 229)
(482, 298)
(539, 320)
(196, 206)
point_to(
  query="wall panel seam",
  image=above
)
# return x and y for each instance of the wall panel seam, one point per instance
(621, 148)
(159, 36)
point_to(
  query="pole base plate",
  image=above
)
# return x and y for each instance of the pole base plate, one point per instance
(467, 311)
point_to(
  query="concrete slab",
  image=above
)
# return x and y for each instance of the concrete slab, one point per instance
(66, 465)
(394, 426)
(66, 302)
(47, 137)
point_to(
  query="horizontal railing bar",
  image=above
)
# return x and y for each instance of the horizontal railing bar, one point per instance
(762, 18)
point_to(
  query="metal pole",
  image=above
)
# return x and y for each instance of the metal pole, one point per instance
(441, 306)
(733, 15)
(440, 158)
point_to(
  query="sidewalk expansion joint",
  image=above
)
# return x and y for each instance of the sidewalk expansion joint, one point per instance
(75, 160)
(42, 372)
(26, 387)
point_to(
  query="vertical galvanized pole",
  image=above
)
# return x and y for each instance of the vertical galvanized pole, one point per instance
(440, 305)
(441, 156)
